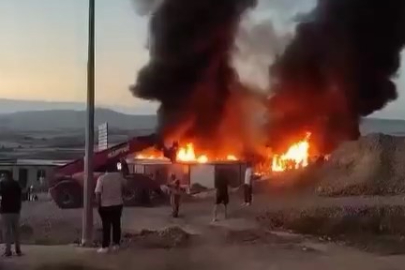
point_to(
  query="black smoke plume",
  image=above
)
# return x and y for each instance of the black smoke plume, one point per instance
(338, 69)
(190, 71)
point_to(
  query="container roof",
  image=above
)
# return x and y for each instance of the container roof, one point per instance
(32, 162)
(167, 162)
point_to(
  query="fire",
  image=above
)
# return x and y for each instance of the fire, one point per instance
(231, 157)
(297, 156)
(186, 154)
(140, 156)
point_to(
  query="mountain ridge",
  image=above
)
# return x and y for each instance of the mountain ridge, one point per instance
(43, 120)
(8, 106)
(25, 115)
(73, 119)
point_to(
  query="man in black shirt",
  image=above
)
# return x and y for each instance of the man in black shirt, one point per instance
(10, 208)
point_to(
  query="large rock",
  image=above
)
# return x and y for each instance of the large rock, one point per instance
(373, 165)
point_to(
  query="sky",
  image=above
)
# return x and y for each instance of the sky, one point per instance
(43, 50)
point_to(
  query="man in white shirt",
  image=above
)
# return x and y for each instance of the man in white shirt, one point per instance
(247, 187)
(109, 192)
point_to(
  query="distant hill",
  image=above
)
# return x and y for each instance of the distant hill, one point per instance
(386, 126)
(8, 106)
(73, 120)
(48, 120)
(11, 106)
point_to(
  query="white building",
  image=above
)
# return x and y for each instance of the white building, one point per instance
(30, 172)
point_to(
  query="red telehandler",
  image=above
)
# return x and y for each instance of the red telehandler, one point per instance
(66, 183)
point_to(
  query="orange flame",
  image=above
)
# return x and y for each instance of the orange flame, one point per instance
(185, 154)
(297, 156)
(231, 157)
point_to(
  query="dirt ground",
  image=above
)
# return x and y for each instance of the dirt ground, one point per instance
(241, 242)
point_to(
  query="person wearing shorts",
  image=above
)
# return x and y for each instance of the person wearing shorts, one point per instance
(222, 195)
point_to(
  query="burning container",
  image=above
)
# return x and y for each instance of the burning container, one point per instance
(190, 174)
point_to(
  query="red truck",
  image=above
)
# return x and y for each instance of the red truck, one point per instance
(66, 184)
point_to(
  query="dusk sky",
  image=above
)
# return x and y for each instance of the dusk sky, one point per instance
(43, 49)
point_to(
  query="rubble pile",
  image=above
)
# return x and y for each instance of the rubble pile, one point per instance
(167, 238)
(373, 165)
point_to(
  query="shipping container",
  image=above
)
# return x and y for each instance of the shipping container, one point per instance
(189, 174)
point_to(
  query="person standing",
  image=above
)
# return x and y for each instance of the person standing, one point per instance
(247, 186)
(222, 196)
(175, 195)
(124, 167)
(11, 197)
(31, 193)
(109, 193)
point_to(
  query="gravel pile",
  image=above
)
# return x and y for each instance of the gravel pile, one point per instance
(373, 165)
(171, 237)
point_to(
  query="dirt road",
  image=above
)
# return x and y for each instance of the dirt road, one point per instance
(304, 256)
(238, 243)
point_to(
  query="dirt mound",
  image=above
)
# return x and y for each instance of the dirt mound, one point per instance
(250, 236)
(197, 188)
(373, 165)
(378, 229)
(335, 221)
(66, 266)
(26, 232)
(170, 237)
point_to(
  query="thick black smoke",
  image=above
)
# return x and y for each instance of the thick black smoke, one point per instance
(338, 68)
(189, 71)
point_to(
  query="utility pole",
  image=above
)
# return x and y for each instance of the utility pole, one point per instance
(88, 190)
